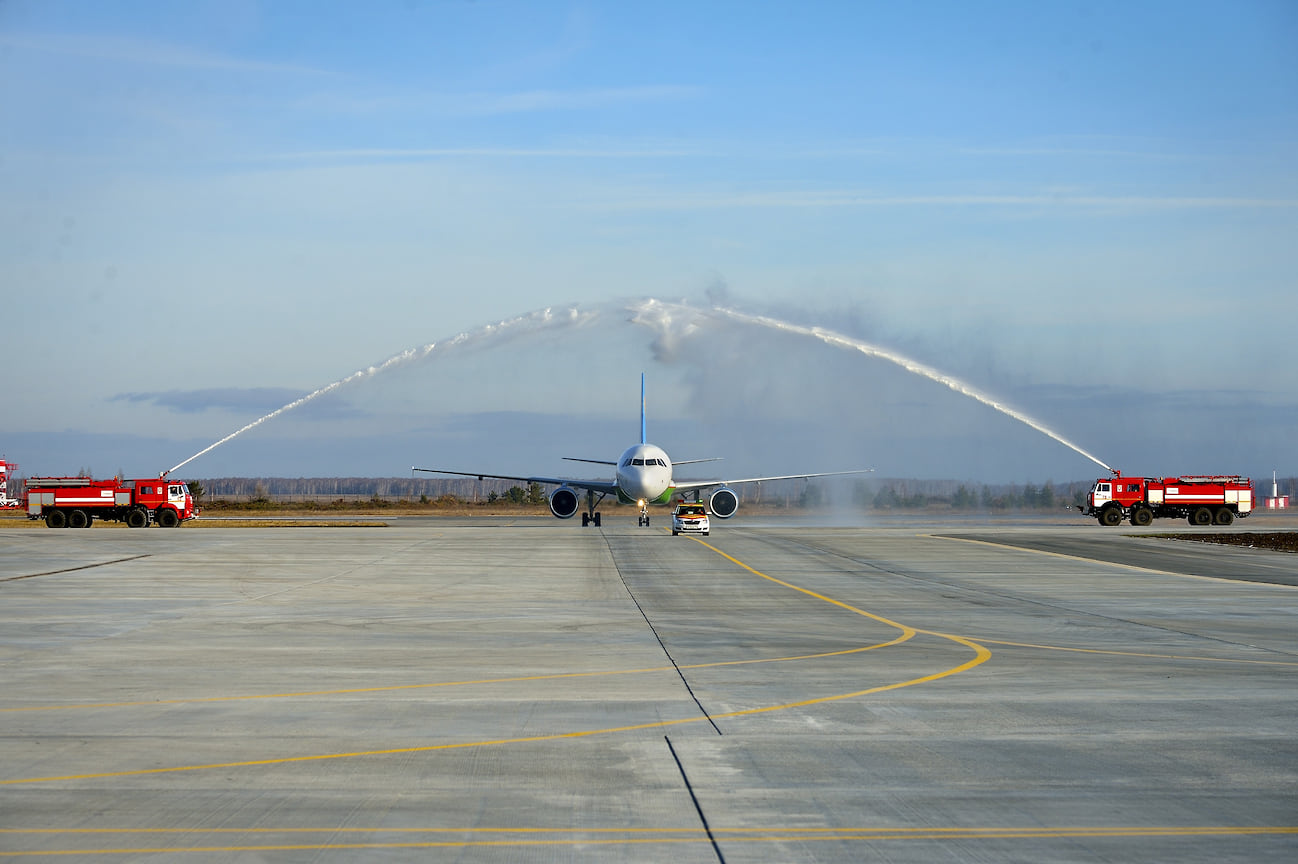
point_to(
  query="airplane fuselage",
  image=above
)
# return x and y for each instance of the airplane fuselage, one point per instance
(644, 473)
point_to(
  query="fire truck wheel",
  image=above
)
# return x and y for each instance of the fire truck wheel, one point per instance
(1111, 517)
(167, 518)
(56, 519)
(1224, 516)
(1202, 516)
(137, 519)
(78, 519)
(1141, 516)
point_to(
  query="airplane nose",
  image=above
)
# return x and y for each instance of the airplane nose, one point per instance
(636, 486)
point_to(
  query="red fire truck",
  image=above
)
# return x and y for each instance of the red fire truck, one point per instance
(75, 502)
(1216, 499)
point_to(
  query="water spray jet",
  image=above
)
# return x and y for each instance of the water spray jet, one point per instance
(672, 322)
(528, 323)
(666, 316)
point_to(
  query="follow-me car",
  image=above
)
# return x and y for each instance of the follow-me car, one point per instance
(690, 518)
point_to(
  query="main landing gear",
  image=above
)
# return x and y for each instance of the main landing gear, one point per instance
(590, 516)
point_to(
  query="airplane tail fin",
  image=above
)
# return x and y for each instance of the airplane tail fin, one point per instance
(644, 434)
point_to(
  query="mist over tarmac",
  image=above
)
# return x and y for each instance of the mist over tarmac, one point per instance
(516, 395)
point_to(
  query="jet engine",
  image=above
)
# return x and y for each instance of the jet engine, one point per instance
(563, 502)
(724, 502)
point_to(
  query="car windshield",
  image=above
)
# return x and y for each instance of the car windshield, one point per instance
(696, 510)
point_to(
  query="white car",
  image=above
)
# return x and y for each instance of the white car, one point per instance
(690, 519)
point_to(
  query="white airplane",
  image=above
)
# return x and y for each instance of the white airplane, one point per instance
(643, 477)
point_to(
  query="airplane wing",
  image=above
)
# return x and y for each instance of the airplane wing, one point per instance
(691, 485)
(607, 486)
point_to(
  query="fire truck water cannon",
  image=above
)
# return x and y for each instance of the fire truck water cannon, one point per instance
(1210, 499)
(75, 502)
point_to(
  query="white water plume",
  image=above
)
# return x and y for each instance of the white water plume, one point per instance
(671, 322)
(675, 320)
(529, 323)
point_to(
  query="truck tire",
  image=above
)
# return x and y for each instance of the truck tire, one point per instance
(78, 519)
(56, 519)
(1141, 516)
(137, 519)
(1224, 516)
(1111, 516)
(167, 518)
(1201, 516)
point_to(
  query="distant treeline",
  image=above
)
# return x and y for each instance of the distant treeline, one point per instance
(328, 488)
(916, 494)
(875, 493)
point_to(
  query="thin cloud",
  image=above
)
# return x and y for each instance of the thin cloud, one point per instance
(419, 153)
(237, 399)
(365, 101)
(1140, 201)
(1073, 152)
(121, 49)
(1107, 147)
(1143, 148)
(1124, 400)
(796, 200)
(242, 402)
(532, 101)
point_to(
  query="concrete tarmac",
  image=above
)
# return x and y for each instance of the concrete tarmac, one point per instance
(526, 689)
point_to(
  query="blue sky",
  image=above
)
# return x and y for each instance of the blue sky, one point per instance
(1086, 208)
